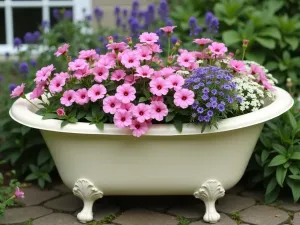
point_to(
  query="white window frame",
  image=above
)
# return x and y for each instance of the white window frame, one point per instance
(8, 5)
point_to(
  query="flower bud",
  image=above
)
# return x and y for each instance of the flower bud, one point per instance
(289, 82)
(110, 39)
(231, 54)
(129, 41)
(245, 43)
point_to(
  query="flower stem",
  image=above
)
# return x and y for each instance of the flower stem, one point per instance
(31, 102)
(169, 44)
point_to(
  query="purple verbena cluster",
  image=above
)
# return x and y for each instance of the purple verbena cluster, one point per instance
(212, 23)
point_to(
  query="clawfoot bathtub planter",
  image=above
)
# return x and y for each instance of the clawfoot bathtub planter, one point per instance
(163, 162)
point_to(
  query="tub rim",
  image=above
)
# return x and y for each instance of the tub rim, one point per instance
(22, 112)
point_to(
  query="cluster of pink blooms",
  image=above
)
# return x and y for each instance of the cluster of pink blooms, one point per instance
(132, 70)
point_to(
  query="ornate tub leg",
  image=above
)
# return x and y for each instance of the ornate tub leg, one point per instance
(209, 192)
(86, 190)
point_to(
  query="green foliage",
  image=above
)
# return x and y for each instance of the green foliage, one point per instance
(182, 220)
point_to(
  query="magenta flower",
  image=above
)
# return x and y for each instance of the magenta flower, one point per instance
(144, 71)
(183, 98)
(37, 92)
(122, 118)
(237, 65)
(18, 91)
(159, 86)
(185, 59)
(265, 82)
(168, 29)
(101, 74)
(128, 106)
(44, 73)
(87, 54)
(19, 193)
(68, 98)
(138, 129)
(81, 96)
(118, 75)
(148, 37)
(142, 112)
(82, 73)
(97, 91)
(130, 59)
(106, 61)
(62, 50)
(159, 110)
(217, 49)
(111, 104)
(144, 52)
(118, 47)
(175, 82)
(155, 48)
(56, 84)
(202, 41)
(125, 93)
(78, 64)
(60, 112)
(256, 70)
(62, 75)
(167, 71)
(157, 98)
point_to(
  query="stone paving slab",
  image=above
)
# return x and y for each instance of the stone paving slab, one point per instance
(57, 219)
(21, 215)
(225, 220)
(145, 217)
(264, 215)
(67, 203)
(232, 203)
(257, 195)
(188, 211)
(62, 188)
(36, 196)
(288, 205)
(296, 219)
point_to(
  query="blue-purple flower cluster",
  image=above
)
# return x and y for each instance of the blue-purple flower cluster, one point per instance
(215, 94)
(211, 25)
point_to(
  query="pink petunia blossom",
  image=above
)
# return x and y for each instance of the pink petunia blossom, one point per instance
(122, 118)
(138, 129)
(130, 59)
(44, 73)
(159, 86)
(144, 52)
(125, 93)
(118, 75)
(167, 71)
(193, 66)
(217, 49)
(37, 92)
(155, 48)
(62, 75)
(130, 79)
(263, 79)
(148, 37)
(81, 96)
(237, 65)
(60, 112)
(18, 193)
(144, 71)
(82, 73)
(159, 110)
(56, 84)
(185, 59)
(62, 50)
(106, 61)
(97, 91)
(156, 74)
(111, 104)
(157, 98)
(256, 69)
(78, 64)
(128, 106)
(183, 98)
(118, 47)
(68, 98)
(18, 91)
(87, 54)
(142, 112)
(175, 82)
(101, 74)
(168, 29)
(202, 41)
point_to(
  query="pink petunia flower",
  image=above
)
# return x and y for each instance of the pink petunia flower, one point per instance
(118, 47)
(44, 73)
(18, 91)
(56, 84)
(159, 110)
(62, 75)
(106, 61)
(237, 65)
(263, 79)
(168, 29)
(130, 79)
(159, 86)
(144, 52)
(19, 193)
(130, 59)
(138, 129)
(155, 48)
(128, 106)
(101, 74)
(217, 49)
(256, 69)
(60, 112)
(62, 50)
(78, 64)
(97, 91)
(167, 71)
(111, 104)
(87, 54)
(157, 98)
(202, 41)
(81, 96)
(193, 66)
(175, 82)
(37, 92)
(183, 98)
(185, 59)
(82, 73)
(148, 37)
(142, 112)
(68, 98)
(125, 93)
(122, 118)
(144, 71)
(118, 75)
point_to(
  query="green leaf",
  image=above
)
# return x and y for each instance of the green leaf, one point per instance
(293, 42)
(170, 117)
(272, 196)
(41, 182)
(278, 160)
(80, 115)
(271, 185)
(33, 168)
(268, 171)
(25, 130)
(264, 155)
(178, 125)
(72, 120)
(31, 176)
(49, 116)
(64, 123)
(43, 157)
(295, 155)
(292, 120)
(294, 169)
(142, 99)
(266, 42)
(280, 175)
(100, 126)
(89, 118)
(295, 187)
(47, 178)
(265, 141)
(294, 177)
(270, 32)
(280, 149)
(230, 37)
(258, 57)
